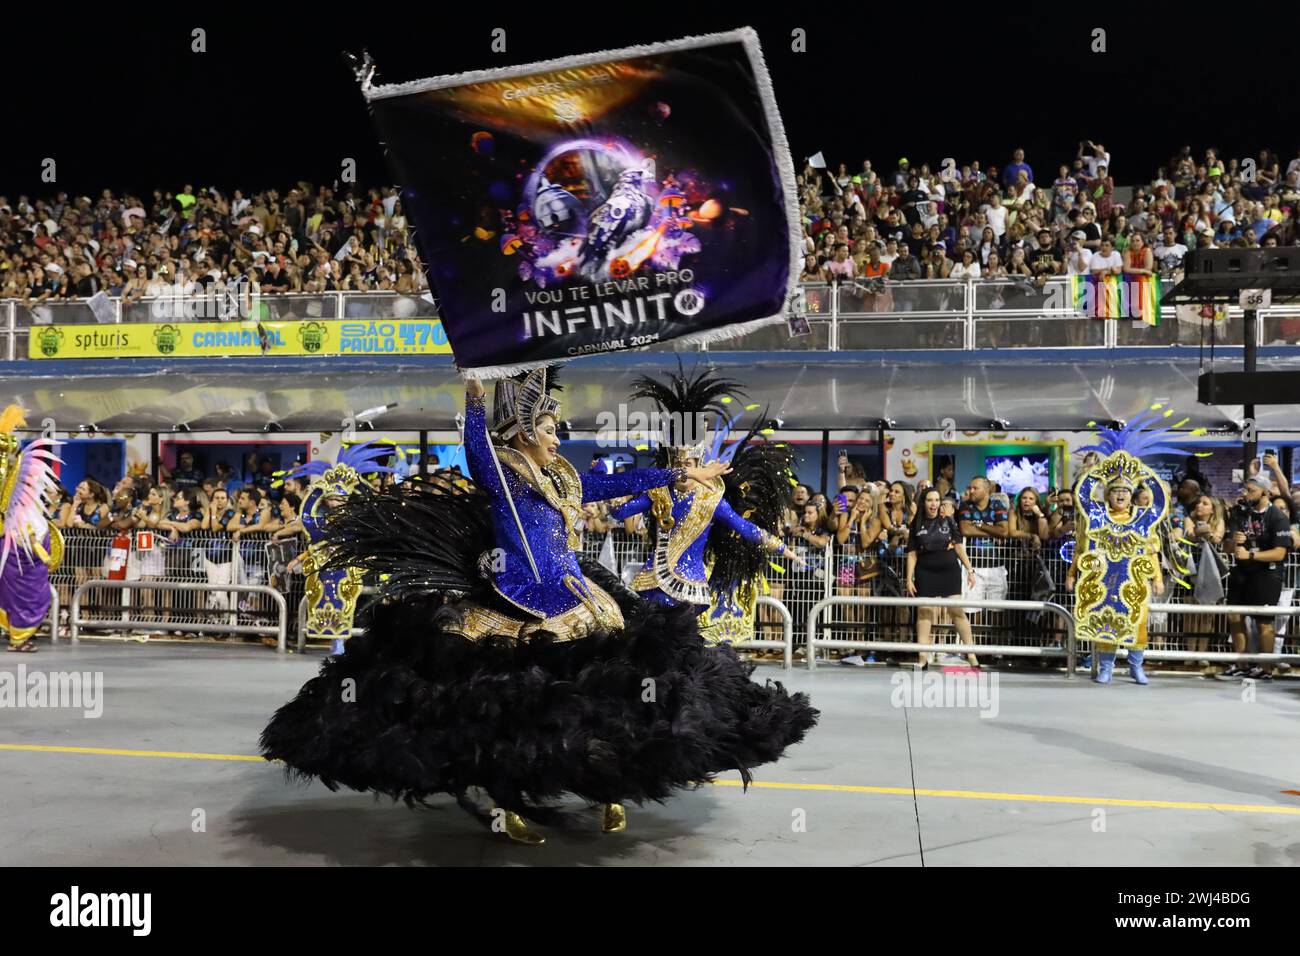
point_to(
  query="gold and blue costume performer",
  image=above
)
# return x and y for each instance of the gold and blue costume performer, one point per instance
(704, 554)
(332, 592)
(498, 663)
(1117, 556)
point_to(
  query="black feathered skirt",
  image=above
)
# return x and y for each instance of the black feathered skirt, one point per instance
(410, 710)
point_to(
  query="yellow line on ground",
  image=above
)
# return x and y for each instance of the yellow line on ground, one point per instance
(767, 784)
(1022, 797)
(113, 752)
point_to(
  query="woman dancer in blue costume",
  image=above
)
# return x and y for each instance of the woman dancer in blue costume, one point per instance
(497, 662)
(704, 553)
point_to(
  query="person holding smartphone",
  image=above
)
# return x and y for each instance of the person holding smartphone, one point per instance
(1060, 523)
(850, 473)
(1270, 465)
(854, 533)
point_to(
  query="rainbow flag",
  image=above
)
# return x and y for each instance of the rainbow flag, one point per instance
(1117, 297)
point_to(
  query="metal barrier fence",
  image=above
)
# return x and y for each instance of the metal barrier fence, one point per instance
(128, 623)
(919, 314)
(1008, 571)
(231, 573)
(785, 642)
(1067, 651)
(229, 583)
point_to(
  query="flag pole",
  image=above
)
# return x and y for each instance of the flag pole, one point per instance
(505, 487)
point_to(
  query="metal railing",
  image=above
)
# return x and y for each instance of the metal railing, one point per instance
(56, 606)
(918, 314)
(1016, 580)
(1245, 610)
(224, 566)
(130, 623)
(785, 642)
(1026, 584)
(915, 647)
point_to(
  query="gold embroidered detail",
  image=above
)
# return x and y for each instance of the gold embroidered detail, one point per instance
(56, 548)
(1120, 469)
(661, 506)
(730, 627)
(349, 589)
(697, 520)
(328, 622)
(477, 621)
(588, 599)
(645, 580)
(598, 611)
(670, 546)
(1108, 626)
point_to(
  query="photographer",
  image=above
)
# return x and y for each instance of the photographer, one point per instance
(1060, 523)
(1260, 536)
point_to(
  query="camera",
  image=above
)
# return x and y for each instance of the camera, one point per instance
(1238, 519)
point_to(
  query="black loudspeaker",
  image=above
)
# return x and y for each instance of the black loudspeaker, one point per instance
(1248, 388)
(1282, 259)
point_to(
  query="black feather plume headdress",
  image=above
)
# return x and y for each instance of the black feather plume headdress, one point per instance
(684, 401)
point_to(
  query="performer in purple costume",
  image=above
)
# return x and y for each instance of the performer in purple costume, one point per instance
(32, 547)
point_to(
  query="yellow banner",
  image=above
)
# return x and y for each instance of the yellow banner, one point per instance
(224, 339)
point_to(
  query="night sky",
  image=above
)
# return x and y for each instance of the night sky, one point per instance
(119, 100)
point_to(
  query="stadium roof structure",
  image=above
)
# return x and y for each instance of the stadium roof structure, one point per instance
(1031, 389)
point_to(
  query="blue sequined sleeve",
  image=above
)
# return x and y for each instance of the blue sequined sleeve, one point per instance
(477, 454)
(598, 487)
(637, 506)
(746, 529)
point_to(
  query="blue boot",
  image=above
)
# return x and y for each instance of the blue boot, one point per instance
(1105, 667)
(337, 649)
(1135, 666)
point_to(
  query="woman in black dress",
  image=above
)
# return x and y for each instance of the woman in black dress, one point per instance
(935, 557)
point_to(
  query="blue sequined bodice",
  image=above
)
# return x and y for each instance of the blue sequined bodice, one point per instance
(677, 565)
(549, 503)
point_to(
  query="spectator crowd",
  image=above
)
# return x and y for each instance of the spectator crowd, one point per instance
(922, 222)
(305, 239)
(912, 221)
(868, 526)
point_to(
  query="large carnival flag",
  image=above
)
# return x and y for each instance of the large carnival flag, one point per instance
(599, 202)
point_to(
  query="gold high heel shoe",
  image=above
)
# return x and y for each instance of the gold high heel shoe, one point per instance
(615, 820)
(519, 831)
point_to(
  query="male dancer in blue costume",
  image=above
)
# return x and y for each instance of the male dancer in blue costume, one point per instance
(694, 560)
